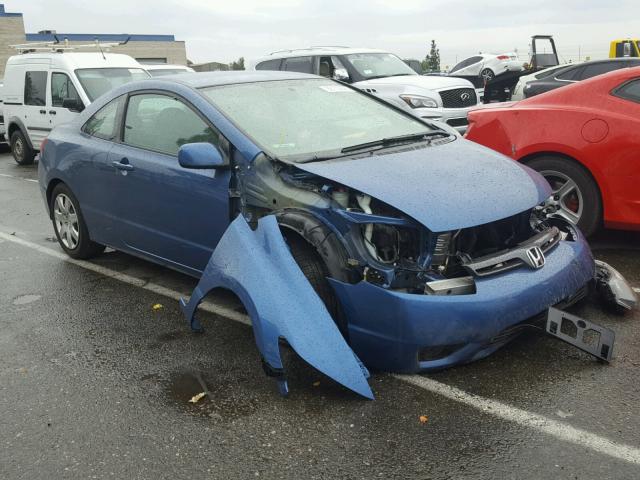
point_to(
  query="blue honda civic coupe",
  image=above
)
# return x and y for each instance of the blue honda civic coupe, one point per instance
(361, 235)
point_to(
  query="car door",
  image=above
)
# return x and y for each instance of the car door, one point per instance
(173, 215)
(36, 117)
(63, 92)
(92, 177)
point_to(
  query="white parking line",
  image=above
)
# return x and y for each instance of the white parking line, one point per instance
(18, 178)
(539, 423)
(123, 277)
(530, 420)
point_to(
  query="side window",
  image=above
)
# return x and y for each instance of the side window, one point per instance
(299, 64)
(629, 91)
(465, 63)
(598, 69)
(103, 124)
(568, 74)
(35, 88)
(269, 65)
(162, 123)
(62, 88)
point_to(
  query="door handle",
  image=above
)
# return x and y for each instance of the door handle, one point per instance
(123, 165)
(52, 112)
(43, 112)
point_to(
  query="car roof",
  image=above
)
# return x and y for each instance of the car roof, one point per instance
(164, 66)
(74, 60)
(213, 79)
(307, 52)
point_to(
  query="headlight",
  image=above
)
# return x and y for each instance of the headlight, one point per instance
(417, 101)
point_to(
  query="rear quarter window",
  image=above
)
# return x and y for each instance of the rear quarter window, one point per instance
(269, 65)
(629, 91)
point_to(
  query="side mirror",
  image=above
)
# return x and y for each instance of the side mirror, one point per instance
(341, 75)
(73, 104)
(200, 156)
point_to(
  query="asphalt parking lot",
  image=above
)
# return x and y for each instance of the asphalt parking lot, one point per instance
(95, 383)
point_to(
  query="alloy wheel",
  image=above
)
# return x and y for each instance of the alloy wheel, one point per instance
(566, 200)
(66, 221)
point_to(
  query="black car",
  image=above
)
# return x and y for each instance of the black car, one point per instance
(575, 73)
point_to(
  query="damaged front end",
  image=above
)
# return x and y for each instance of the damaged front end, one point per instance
(415, 292)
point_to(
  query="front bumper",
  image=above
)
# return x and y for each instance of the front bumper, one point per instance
(397, 331)
(454, 117)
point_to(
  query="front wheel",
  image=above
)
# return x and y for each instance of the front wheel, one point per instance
(316, 272)
(69, 225)
(576, 197)
(23, 154)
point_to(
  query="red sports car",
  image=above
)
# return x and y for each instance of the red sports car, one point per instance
(584, 139)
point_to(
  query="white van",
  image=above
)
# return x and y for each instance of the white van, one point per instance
(45, 89)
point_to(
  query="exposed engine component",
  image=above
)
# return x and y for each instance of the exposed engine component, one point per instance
(364, 201)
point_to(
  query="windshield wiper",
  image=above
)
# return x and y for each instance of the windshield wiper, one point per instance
(385, 142)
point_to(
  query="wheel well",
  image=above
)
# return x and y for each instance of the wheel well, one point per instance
(527, 159)
(12, 128)
(295, 224)
(52, 184)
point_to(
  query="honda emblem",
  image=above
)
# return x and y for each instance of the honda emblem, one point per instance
(535, 257)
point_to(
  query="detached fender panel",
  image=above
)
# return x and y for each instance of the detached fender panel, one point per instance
(258, 267)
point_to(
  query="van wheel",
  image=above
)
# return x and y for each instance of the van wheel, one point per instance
(316, 272)
(69, 225)
(23, 154)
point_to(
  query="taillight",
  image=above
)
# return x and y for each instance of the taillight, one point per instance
(503, 57)
(44, 142)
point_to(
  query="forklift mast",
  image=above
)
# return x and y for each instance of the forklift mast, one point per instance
(543, 52)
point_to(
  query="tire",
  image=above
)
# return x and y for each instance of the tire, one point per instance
(69, 225)
(316, 272)
(584, 201)
(23, 154)
(487, 75)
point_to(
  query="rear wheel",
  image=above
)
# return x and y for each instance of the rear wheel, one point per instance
(69, 225)
(487, 75)
(23, 154)
(576, 197)
(316, 272)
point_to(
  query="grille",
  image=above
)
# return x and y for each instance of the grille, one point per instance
(454, 98)
(458, 122)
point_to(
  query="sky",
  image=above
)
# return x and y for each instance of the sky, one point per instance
(223, 30)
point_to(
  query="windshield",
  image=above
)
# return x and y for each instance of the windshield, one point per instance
(301, 120)
(166, 71)
(98, 81)
(378, 65)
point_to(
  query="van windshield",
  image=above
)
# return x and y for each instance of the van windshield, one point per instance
(98, 81)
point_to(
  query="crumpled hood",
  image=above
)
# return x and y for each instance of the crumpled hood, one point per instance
(424, 81)
(446, 187)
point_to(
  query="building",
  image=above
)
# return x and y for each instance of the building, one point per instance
(210, 67)
(144, 48)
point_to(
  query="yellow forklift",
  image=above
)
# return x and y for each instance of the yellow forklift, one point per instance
(629, 47)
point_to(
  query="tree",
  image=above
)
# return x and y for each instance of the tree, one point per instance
(237, 65)
(431, 62)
